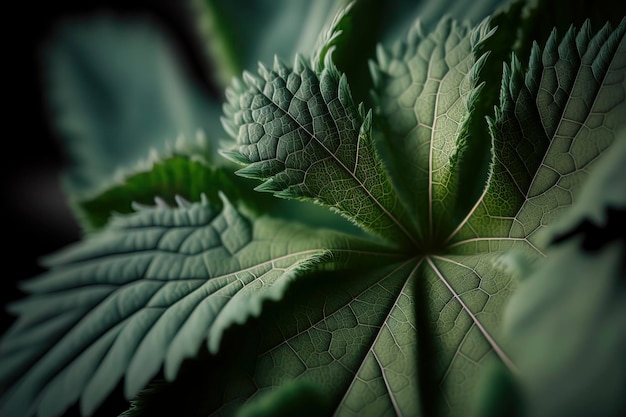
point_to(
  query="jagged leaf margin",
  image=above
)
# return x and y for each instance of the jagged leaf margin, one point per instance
(306, 139)
(144, 292)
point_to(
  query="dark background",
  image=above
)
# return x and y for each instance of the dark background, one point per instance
(36, 219)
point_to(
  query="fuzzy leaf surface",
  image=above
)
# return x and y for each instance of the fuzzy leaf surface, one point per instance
(554, 121)
(408, 337)
(425, 89)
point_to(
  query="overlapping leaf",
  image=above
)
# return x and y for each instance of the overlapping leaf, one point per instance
(146, 292)
(553, 122)
(402, 338)
(565, 324)
(117, 88)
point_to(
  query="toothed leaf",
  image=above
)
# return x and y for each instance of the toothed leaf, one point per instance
(330, 36)
(554, 120)
(305, 137)
(409, 328)
(168, 177)
(420, 348)
(145, 293)
(425, 89)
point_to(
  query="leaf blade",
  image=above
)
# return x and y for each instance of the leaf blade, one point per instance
(130, 298)
(537, 165)
(305, 137)
(425, 88)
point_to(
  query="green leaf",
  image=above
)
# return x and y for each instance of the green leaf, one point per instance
(553, 122)
(330, 37)
(294, 398)
(306, 138)
(117, 88)
(413, 338)
(425, 89)
(566, 330)
(539, 18)
(146, 291)
(361, 345)
(182, 172)
(167, 179)
(603, 191)
(402, 14)
(565, 324)
(406, 329)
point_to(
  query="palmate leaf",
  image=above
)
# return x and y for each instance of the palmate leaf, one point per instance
(401, 330)
(412, 338)
(144, 292)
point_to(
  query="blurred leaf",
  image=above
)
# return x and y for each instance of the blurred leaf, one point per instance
(565, 325)
(239, 35)
(300, 398)
(566, 332)
(116, 88)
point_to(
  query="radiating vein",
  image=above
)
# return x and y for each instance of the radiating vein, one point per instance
(501, 354)
(378, 334)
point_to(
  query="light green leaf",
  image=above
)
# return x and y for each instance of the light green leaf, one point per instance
(145, 292)
(404, 332)
(181, 172)
(306, 138)
(565, 326)
(412, 339)
(425, 89)
(359, 349)
(167, 179)
(117, 88)
(372, 349)
(603, 191)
